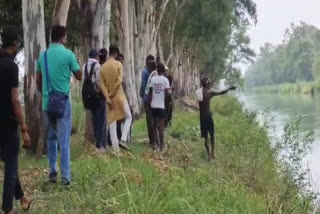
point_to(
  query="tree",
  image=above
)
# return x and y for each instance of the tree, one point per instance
(292, 61)
(95, 19)
(34, 40)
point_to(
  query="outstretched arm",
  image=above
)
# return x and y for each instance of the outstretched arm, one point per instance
(218, 93)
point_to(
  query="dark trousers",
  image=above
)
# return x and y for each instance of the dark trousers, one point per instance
(149, 124)
(9, 148)
(100, 125)
(158, 122)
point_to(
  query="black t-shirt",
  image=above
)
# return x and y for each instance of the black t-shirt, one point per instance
(9, 78)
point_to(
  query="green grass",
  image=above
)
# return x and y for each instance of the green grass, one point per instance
(306, 88)
(243, 180)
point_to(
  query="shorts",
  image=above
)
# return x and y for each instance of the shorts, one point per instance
(158, 113)
(206, 125)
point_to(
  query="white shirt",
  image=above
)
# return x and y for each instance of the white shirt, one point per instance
(96, 71)
(199, 94)
(159, 84)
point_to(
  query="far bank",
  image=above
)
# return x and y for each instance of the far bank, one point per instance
(303, 88)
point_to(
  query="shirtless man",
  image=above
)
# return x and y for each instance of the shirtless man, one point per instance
(204, 96)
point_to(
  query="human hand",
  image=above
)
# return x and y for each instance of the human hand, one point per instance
(26, 139)
(110, 105)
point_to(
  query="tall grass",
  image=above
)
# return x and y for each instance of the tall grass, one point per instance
(244, 179)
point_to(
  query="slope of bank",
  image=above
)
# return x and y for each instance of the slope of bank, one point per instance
(306, 88)
(243, 179)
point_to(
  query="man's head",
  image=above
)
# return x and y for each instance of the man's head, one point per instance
(10, 40)
(151, 65)
(114, 51)
(161, 69)
(93, 54)
(120, 58)
(103, 53)
(149, 58)
(205, 82)
(59, 34)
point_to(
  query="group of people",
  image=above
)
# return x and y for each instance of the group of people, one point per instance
(103, 95)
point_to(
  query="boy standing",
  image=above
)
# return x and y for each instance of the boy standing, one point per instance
(157, 101)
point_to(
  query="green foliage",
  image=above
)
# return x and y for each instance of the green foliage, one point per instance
(214, 32)
(295, 60)
(11, 14)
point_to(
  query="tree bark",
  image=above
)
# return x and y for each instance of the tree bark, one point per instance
(123, 29)
(95, 14)
(34, 43)
(60, 12)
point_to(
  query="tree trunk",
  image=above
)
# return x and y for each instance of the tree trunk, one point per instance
(96, 17)
(122, 12)
(60, 12)
(34, 43)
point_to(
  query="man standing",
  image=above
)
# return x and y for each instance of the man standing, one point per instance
(12, 117)
(94, 100)
(118, 107)
(149, 68)
(55, 67)
(158, 100)
(204, 96)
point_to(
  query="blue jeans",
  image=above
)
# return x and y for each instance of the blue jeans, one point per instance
(59, 131)
(99, 124)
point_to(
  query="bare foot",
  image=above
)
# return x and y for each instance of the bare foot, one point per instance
(25, 203)
(213, 157)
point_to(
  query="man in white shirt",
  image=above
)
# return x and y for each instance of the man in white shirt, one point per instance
(157, 100)
(97, 105)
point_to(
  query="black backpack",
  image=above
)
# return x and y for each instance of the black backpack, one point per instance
(90, 96)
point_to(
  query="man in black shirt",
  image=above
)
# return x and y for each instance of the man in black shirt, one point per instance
(11, 117)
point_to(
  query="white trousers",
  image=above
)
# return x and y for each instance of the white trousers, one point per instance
(125, 129)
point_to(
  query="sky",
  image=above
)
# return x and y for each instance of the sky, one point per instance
(275, 16)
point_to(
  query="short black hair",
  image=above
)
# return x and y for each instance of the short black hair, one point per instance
(113, 49)
(103, 53)
(9, 36)
(161, 68)
(58, 32)
(204, 81)
(150, 57)
(121, 56)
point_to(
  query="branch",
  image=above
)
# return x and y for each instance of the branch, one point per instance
(173, 31)
(163, 7)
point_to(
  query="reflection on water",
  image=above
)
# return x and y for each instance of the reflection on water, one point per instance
(284, 108)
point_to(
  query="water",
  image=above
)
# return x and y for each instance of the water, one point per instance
(284, 108)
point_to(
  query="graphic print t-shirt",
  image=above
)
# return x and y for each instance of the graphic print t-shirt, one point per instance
(159, 84)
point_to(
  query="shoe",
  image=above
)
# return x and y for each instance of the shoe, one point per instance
(53, 177)
(101, 150)
(124, 145)
(65, 182)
